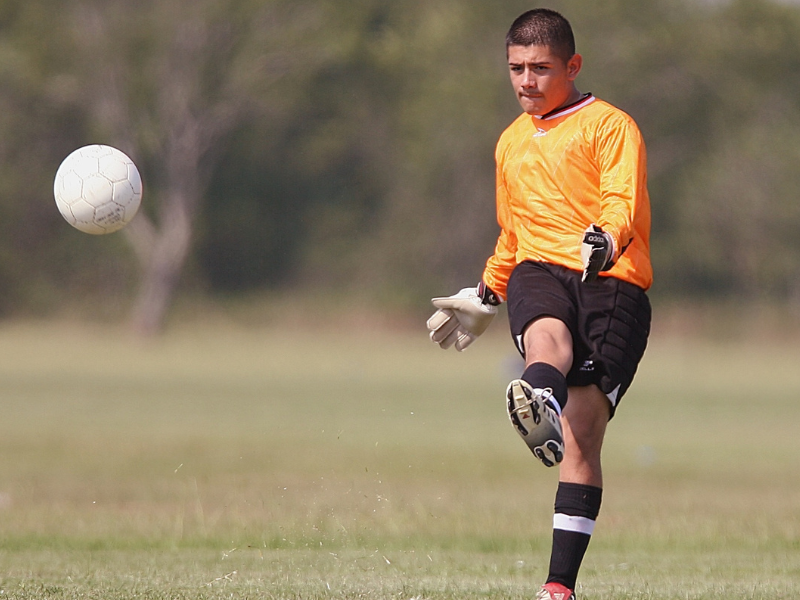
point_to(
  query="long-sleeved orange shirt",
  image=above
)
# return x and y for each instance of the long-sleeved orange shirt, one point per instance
(557, 175)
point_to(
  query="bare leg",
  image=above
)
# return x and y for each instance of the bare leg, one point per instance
(549, 341)
(584, 424)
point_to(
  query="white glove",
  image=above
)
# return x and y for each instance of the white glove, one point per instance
(460, 319)
(597, 252)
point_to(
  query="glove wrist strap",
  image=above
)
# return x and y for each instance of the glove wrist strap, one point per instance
(487, 296)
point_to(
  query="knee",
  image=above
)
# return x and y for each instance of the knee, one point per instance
(585, 434)
(549, 341)
(586, 417)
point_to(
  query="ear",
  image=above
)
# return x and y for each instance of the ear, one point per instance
(574, 65)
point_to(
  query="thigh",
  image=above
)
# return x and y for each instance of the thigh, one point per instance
(613, 327)
(547, 339)
(535, 291)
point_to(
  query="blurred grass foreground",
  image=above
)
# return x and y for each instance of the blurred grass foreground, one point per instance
(225, 461)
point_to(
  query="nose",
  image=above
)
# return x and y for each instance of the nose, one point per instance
(528, 80)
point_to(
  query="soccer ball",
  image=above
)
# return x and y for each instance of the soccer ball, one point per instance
(98, 189)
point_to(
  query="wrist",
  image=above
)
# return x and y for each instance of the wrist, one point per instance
(487, 296)
(612, 251)
(615, 247)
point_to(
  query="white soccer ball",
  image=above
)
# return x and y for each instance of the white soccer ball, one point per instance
(98, 189)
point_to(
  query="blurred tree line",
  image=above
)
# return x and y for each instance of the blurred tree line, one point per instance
(329, 145)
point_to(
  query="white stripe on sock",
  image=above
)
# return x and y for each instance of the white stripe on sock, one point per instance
(576, 524)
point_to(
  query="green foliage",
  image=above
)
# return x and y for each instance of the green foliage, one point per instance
(361, 158)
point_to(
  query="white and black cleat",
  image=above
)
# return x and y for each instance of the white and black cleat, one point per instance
(536, 421)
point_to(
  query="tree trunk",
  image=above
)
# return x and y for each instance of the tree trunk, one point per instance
(191, 82)
(162, 264)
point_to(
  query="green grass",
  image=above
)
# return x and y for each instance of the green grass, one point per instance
(227, 461)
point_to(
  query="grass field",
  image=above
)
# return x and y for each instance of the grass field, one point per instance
(231, 461)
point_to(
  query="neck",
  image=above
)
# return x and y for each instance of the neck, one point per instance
(573, 97)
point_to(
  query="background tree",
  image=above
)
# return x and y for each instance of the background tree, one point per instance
(317, 146)
(169, 81)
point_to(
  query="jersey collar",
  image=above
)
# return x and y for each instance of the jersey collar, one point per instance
(584, 100)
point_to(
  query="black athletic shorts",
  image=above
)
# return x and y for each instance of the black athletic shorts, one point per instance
(609, 320)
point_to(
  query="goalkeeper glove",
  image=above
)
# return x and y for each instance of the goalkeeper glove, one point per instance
(597, 252)
(461, 318)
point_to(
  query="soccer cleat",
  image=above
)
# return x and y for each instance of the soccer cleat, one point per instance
(555, 591)
(536, 421)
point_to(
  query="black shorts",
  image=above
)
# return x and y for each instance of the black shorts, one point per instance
(609, 320)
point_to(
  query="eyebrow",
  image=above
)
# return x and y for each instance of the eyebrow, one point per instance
(535, 63)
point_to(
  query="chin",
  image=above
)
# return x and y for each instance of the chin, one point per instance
(534, 108)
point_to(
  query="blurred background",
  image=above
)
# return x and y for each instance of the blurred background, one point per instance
(322, 149)
(246, 366)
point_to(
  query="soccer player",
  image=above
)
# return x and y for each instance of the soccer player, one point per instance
(572, 262)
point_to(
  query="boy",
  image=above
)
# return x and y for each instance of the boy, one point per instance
(573, 263)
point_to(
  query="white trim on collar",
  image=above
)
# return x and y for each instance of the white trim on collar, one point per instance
(568, 109)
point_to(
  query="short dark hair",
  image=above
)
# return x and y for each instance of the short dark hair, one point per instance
(543, 27)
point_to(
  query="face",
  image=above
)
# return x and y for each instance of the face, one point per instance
(542, 81)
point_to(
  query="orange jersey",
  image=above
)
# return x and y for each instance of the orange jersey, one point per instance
(557, 175)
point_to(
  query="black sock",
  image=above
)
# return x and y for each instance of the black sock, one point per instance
(576, 510)
(541, 375)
